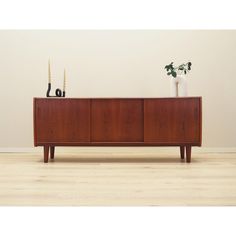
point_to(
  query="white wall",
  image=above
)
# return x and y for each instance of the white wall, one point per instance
(116, 64)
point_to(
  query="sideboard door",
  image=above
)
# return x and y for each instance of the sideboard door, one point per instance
(172, 120)
(117, 120)
(62, 120)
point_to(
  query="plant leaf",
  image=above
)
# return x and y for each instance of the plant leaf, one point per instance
(189, 65)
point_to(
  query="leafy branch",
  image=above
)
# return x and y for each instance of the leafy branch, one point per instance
(183, 68)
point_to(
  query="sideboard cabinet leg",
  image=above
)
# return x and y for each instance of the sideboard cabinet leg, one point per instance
(182, 152)
(46, 152)
(52, 151)
(188, 153)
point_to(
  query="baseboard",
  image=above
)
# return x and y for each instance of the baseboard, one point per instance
(117, 149)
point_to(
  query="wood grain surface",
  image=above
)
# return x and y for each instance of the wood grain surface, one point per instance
(58, 120)
(172, 120)
(138, 177)
(117, 120)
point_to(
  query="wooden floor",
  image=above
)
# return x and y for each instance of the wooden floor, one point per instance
(123, 179)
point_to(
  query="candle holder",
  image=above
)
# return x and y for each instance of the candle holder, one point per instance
(58, 92)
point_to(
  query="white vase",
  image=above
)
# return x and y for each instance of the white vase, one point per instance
(178, 86)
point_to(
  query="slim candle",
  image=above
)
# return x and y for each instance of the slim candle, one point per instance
(49, 72)
(64, 85)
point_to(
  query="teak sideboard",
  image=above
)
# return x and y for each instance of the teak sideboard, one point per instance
(118, 122)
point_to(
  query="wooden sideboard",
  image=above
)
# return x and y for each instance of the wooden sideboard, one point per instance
(118, 122)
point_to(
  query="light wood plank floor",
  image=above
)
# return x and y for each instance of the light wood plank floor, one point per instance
(124, 179)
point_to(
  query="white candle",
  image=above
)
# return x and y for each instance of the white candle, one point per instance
(49, 72)
(64, 85)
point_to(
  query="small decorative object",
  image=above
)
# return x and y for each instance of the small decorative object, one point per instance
(178, 82)
(58, 91)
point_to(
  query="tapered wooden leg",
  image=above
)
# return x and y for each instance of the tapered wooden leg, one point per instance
(188, 154)
(182, 152)
(46, 151)
(52, 150)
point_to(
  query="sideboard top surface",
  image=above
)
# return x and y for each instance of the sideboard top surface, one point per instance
(60, 98)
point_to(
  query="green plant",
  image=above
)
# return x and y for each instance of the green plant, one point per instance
(183, 68)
